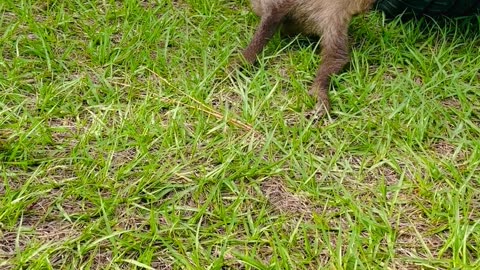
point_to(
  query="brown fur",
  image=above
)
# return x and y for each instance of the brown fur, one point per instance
(326, 18)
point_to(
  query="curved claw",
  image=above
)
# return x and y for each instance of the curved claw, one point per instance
(320, 95)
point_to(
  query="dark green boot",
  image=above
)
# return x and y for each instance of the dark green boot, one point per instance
(451, 8)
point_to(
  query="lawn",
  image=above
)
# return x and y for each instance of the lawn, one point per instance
(125, 143)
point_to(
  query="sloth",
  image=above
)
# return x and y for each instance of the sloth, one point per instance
(330, 19)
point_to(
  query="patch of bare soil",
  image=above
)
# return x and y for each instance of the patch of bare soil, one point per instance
(446, 150)
(46, 233)
(42, 224)
(284, 201)
(162, 263)
(452, 103)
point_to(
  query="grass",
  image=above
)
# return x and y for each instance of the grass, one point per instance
(125, 145)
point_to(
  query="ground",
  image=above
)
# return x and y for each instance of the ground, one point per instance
(127, 143)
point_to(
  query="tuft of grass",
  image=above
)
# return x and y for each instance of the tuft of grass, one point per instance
(124, 143)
